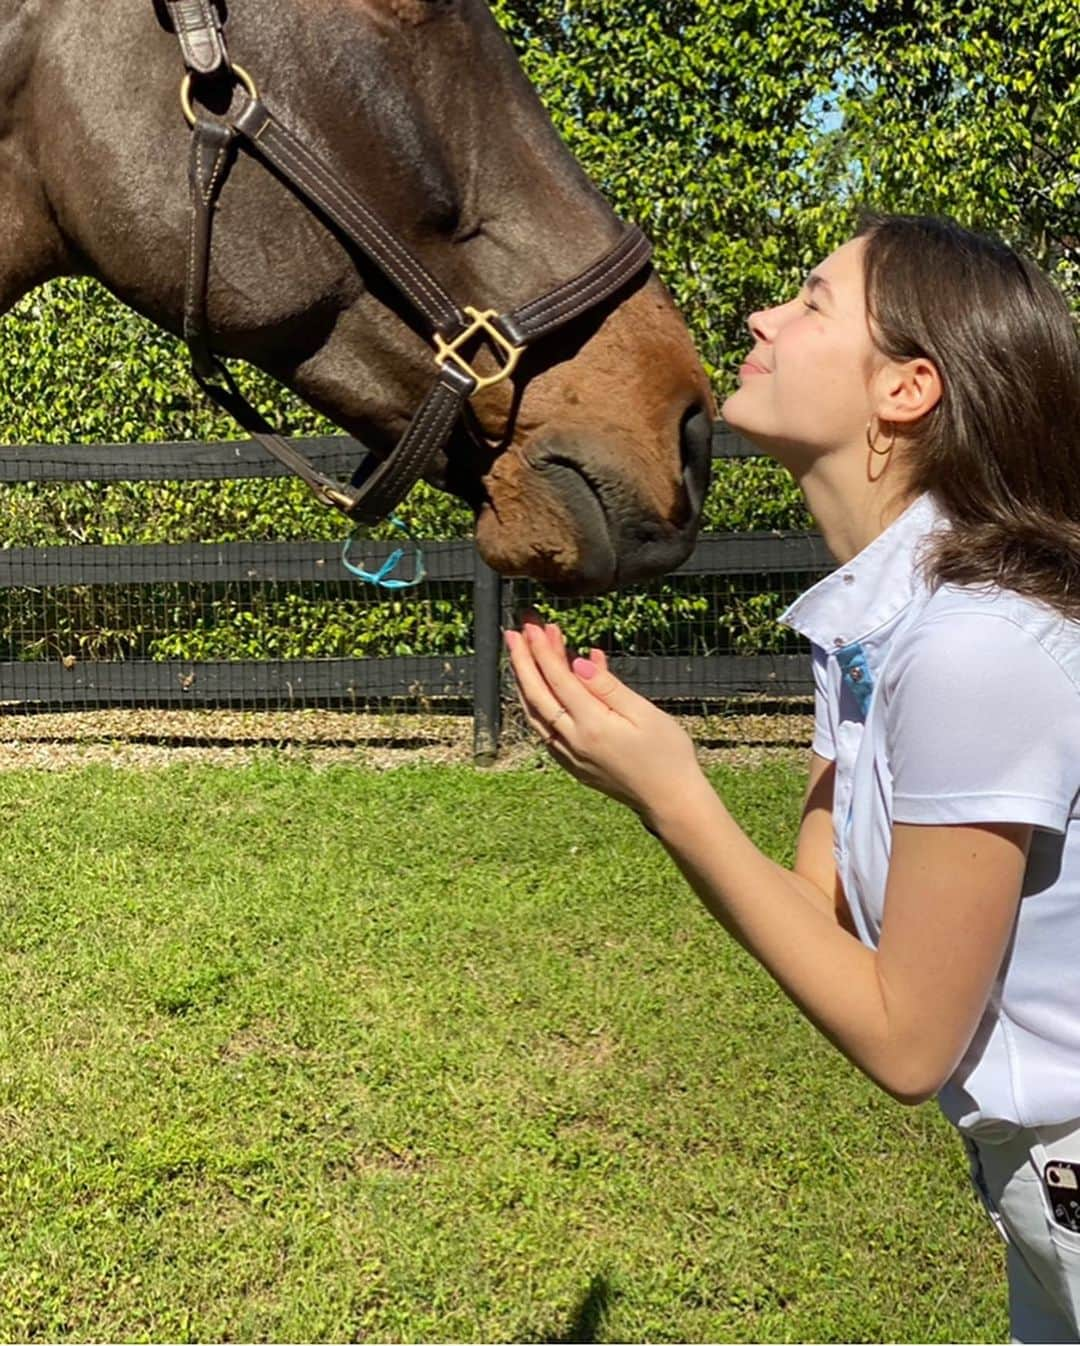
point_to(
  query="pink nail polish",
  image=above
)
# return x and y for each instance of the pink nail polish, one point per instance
(585, 670)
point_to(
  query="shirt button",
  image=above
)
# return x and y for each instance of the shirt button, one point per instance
(838, 641)
(849, 578)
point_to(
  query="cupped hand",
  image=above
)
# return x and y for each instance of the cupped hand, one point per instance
(604, 734)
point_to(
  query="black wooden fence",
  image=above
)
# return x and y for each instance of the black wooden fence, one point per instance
(70, 683)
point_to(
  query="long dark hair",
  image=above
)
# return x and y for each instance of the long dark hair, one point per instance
(1001, 451)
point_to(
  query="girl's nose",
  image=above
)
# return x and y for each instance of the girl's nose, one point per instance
(766, 322)
(761, 326)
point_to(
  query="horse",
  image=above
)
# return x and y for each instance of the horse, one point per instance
(585, 460)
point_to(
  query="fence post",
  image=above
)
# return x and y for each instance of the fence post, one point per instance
(487, 644)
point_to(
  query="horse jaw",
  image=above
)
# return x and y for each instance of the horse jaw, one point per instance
(589, 475)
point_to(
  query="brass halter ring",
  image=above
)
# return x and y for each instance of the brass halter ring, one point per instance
(188, 81)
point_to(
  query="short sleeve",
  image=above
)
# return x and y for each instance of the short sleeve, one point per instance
(824, 743)
(982, 725)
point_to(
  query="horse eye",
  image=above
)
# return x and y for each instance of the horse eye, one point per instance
(443, 218)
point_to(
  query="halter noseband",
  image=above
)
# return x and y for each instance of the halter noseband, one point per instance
(372, 493)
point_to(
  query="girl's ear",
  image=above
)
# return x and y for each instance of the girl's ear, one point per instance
(908, 391)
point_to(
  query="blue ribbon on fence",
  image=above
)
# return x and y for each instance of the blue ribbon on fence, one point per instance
(379, 577)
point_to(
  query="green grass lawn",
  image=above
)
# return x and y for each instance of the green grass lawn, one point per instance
(294, 1055)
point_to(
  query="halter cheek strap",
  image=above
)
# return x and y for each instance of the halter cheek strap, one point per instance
(375, 490)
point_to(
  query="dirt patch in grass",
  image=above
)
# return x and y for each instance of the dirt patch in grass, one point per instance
(157, 738)
(261, 1040)
(565, 1056)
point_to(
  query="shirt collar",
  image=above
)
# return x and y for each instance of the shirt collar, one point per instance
(866, 593)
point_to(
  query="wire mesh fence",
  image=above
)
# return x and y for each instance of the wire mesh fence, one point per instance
(272, 640)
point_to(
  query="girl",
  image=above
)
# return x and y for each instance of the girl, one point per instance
(924, 390)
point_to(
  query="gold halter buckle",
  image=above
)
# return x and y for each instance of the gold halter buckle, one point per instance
(481, 323)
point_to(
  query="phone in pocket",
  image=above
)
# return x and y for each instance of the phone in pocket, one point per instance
(1061, 1180)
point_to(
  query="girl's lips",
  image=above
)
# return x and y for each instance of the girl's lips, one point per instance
(749, 368)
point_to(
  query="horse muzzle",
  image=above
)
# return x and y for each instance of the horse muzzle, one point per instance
(619, 537)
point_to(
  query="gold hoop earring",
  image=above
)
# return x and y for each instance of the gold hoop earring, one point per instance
(875, 452)
(872, 446)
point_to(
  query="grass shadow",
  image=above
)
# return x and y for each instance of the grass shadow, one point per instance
(589, 1316)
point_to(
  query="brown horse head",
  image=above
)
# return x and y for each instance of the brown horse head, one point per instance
(588, 469)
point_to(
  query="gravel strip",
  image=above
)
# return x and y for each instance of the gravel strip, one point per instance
(149, 739)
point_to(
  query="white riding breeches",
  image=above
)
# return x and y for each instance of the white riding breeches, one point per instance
(1043, 1255)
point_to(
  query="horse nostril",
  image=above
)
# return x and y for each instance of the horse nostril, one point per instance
(695, 442)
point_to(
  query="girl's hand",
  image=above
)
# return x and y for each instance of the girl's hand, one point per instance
(599, 730)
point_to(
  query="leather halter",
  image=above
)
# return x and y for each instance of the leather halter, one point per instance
(374, 490)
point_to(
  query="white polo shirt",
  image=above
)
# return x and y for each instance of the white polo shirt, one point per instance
(960, 706)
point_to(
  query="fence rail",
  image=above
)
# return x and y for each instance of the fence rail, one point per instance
(232, 682)
(69, 683)
(208, 461)
(212, 563)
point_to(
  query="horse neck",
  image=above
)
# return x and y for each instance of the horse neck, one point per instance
(31, 247)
